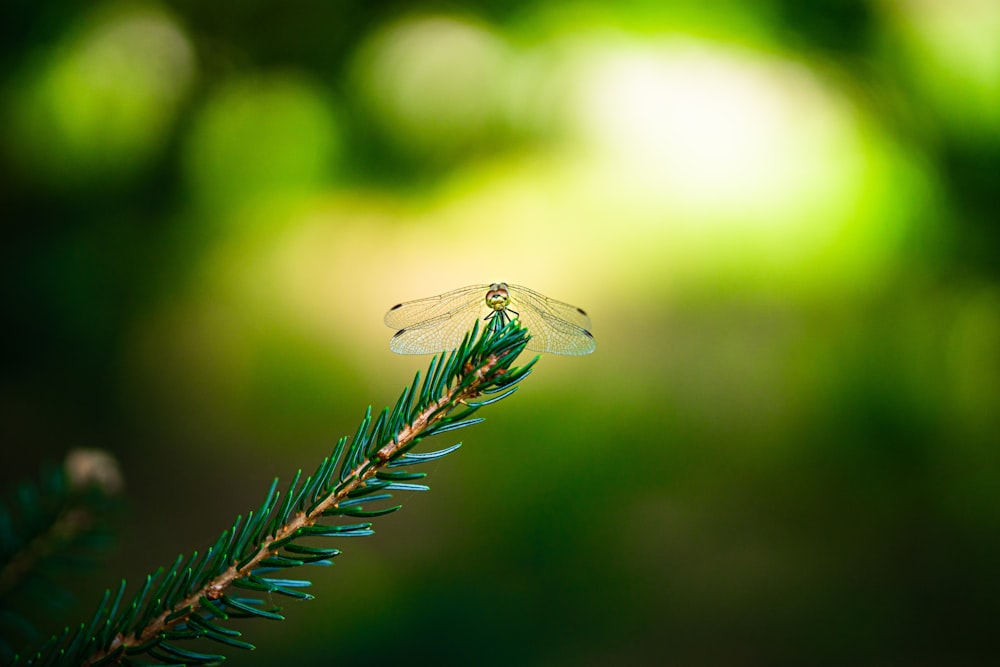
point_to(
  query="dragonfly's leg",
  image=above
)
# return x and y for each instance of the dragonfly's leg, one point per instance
(498, 319)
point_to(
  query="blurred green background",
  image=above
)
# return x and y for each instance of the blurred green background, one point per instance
(781, 216)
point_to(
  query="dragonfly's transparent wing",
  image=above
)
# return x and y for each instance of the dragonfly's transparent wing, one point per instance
(543, 304)
(440, 333)
(554, 326)
(552, 334)
(412, 313)
(437, 323)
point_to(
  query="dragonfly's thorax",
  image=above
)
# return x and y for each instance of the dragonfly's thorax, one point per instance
(498, 298)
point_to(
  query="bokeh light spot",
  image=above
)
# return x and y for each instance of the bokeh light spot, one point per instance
(728, 135)
(435, 84)
(100, 104)
(951, 52)
(260, 138)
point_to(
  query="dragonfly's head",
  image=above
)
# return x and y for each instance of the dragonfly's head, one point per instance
(498, 298)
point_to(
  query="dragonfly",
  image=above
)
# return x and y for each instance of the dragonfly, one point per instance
(438, 323)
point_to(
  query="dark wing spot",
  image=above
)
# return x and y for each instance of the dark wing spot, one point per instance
(399, 304)
(589, 335)
(399, 333)
(581, 311)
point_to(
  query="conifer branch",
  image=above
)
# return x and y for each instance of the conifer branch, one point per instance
(70, 522)
(193, 597)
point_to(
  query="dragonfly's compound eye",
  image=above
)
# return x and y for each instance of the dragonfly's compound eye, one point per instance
(497, 299)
